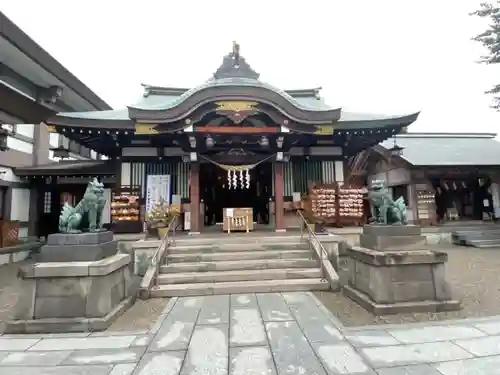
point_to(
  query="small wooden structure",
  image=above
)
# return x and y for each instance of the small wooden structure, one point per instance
(237, 219)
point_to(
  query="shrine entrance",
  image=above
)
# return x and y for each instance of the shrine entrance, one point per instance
(220, 189)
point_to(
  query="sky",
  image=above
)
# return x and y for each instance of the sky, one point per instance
(376, 56)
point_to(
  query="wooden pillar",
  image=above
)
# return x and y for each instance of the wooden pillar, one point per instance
(194, 197)
(279, 191)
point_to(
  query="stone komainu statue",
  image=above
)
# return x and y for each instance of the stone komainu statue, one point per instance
(87, 214)
(387, 211)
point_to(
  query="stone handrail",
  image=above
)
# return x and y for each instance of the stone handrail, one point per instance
(315, 244)
(151, 276)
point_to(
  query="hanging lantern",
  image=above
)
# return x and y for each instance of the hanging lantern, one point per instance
(60, 152)
(396, 150)
(263, 141)
(209, 142)
(4, 134)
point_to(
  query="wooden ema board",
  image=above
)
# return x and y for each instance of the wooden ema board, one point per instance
(335, 205)
(237, 219)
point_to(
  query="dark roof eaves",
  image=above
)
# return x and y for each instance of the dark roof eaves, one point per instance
(34, 51)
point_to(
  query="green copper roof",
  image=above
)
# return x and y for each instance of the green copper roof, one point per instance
(233, 81)
(422, 149)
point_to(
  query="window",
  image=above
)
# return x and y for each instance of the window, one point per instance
(19, 145)
(26, 130)
(400, 191)
(47, 201)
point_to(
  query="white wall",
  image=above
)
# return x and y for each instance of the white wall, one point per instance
(20, 206)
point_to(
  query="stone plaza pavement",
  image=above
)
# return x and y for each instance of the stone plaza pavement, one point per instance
(276, 333)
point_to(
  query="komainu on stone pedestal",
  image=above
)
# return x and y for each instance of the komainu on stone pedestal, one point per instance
(387, 210)
(87, 214)
(393, 272)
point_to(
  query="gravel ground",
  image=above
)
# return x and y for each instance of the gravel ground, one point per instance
(141, 316)
(474, 275)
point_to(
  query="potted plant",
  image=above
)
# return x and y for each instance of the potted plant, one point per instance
(159, 218)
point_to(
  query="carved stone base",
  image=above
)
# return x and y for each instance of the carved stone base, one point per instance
(73, 296)
(81, 247)
(392, 282)
(392, 237)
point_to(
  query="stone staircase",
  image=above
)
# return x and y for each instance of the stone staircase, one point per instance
(238, 264)
(482, 236)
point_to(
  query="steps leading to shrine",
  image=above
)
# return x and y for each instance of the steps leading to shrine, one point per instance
(238, 265)
(484, 236)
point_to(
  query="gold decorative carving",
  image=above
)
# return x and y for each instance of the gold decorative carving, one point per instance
(146, 129)
(235, 106)
(51, 129)
(324, 129)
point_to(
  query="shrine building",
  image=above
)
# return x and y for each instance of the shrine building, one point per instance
(232, 142)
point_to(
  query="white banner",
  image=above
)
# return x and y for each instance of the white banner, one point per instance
(158, 187)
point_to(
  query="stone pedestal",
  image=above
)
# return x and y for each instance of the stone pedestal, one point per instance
(392, 237)
(393, 282)
(75, 296)
(82, 247)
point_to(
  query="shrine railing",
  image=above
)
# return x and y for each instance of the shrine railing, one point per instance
(150, 279)
(312, 239)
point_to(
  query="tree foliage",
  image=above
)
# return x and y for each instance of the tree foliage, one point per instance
(491, 40)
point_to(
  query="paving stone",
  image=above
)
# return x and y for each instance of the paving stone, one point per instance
(214, 310)
(105, 356)
(481, 347)
(411, 370)
(301, 362)
(321, 331)
(243, 300)
(15, 345)
(166, 363)
(251, 361)
(297, 298)
(186, 310)
(123, 369)
(435, 333)
(273, 307)
(208, 351)
(286, 336)
(491, 328)
(112, 342)
(309, 313)
(362, 339)
(479, 366)
(143, 340)
(173, 335)
(342, 359)
(57, 370)
(35, 358)
(414, 354)
(247, 328)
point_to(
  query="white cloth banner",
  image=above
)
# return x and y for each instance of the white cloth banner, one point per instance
(158, 187)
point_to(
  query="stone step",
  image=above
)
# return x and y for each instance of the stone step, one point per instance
(235, 265)
(236, 238)
(240, 255)
(485, 243)
(219, 248)
(260, 286)
(239, 275)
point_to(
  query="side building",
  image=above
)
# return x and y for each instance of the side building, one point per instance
(442, 176)
(33, 86)
(234, 141)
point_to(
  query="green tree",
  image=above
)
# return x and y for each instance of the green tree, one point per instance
(491, 40)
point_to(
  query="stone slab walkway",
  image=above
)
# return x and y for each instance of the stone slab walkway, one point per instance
(268, 334)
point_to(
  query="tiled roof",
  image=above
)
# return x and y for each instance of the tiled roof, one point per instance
(455, 149)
